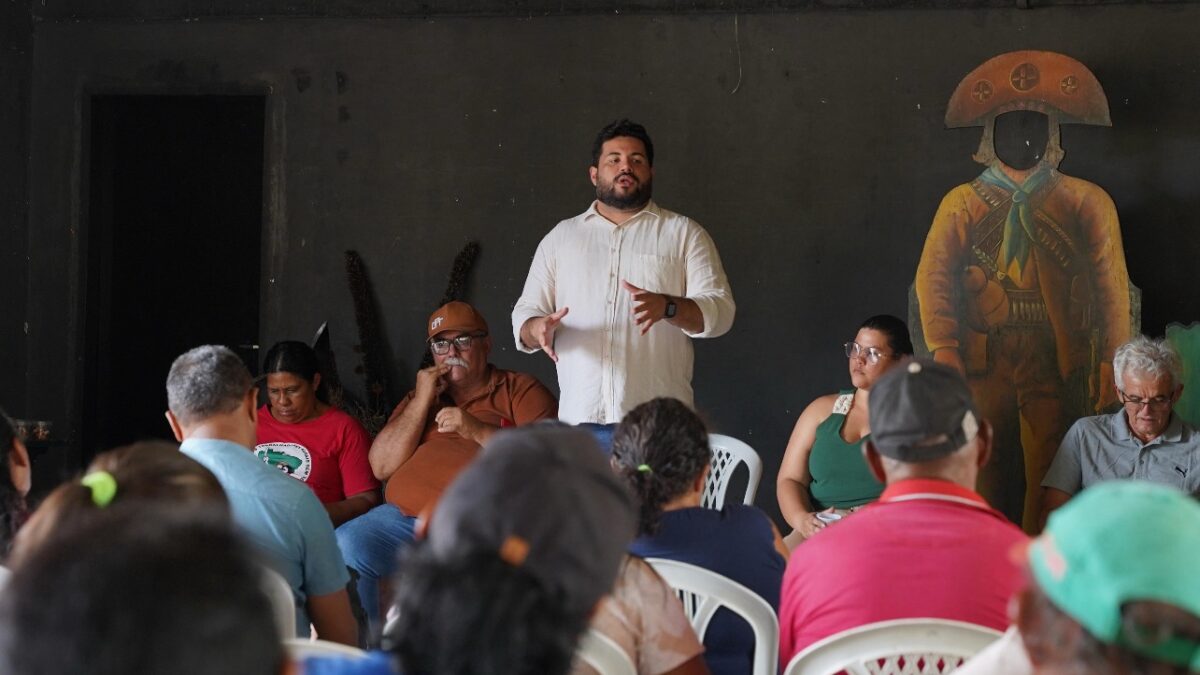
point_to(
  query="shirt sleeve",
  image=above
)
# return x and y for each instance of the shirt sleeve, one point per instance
(707, 285)
(353, 462)
(1066, 471)
(645, 617)
(532, 401)
(537, 299)
(323, 566)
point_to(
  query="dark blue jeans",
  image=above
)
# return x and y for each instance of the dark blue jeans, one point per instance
(369, 545)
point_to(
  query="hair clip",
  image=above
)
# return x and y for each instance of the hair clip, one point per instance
(514, 550)
(103, 487)
(644, 468)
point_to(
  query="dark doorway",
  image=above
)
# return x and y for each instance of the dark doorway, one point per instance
(175, 206)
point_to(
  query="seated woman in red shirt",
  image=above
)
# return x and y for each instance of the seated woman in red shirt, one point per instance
(311, 440)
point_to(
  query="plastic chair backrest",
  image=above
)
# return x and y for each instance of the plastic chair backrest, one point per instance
(727, 453)
(283, 603)
(299, 649)
(602, 654)
(704, 592)
(894, 647)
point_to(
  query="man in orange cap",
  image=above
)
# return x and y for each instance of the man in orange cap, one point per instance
(458, 403)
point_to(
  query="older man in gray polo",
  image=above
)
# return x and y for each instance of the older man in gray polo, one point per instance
(1144, 440)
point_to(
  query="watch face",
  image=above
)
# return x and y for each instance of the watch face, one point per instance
(670, 313)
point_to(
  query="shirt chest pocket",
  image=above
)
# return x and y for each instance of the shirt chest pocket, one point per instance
(660, 274)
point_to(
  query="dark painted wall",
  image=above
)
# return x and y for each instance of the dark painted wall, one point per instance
(16, 34)
(810, 144)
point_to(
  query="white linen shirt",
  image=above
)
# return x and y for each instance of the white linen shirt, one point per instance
(605, 366)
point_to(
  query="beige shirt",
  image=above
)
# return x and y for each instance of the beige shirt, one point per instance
(605, 366)
(645, 618)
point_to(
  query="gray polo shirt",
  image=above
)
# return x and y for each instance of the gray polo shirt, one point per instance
(1103, 448)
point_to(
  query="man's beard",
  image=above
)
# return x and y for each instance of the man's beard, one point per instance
(637, 198)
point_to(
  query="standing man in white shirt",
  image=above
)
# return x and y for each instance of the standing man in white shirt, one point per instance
(615, 294)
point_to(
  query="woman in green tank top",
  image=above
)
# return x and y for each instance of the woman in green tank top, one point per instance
(823, 470)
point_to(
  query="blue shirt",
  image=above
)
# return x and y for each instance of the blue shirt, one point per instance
(281, 516)
(736, 542)
(376, 663)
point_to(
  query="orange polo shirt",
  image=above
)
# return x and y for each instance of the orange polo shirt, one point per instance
(511, 399)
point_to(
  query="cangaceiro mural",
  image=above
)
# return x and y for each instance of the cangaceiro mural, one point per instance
(1022, 283)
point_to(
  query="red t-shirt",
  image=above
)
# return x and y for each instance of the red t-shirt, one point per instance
(927, 548)
(329, 454)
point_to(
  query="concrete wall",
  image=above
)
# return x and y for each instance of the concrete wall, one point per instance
(809, 144)
(16, 38)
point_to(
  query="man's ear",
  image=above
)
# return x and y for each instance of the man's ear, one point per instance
(176, 427)
(316, 381)
(984, 437)
(593, 173)
(18, 467)
(874, 461)
(250, 404)
(698, 483)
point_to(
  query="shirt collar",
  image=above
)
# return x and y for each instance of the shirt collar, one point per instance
(651, 210)
(932, 488)
(495, 378)
(1119, 425)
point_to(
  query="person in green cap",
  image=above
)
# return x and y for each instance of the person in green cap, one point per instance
(1112, 589)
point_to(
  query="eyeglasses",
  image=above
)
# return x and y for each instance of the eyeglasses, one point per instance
(462, 343)
(857, 351)
(1158, 403)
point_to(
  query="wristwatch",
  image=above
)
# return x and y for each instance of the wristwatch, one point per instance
(671, 307)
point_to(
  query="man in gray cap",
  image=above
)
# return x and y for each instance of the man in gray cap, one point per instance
(931, 546)
(512, 568)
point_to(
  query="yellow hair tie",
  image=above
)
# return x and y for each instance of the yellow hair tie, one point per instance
(103, 487)
(644, 468)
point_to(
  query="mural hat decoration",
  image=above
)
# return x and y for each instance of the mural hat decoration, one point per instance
(1045, 82)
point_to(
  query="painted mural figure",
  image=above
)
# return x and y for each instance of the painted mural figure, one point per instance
(1022, 283)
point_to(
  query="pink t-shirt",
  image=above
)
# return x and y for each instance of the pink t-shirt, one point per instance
(927, 548)
(329, 453)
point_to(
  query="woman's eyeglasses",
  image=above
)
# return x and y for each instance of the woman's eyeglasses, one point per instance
(870, 354)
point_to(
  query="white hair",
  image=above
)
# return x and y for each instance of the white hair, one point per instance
(1146, 357)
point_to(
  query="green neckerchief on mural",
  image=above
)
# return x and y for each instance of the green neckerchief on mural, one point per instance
(1018, 227)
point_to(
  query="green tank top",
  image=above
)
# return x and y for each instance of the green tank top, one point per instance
(840, 476)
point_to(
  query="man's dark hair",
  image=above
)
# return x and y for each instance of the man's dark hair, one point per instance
(479, 615)
(895, 330)
(141, 590)
(622, 127)
(659, 448)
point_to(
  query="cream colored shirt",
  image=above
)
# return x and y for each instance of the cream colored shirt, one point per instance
(605, 366)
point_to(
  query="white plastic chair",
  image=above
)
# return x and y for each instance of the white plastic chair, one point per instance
(602, 654)
(896, 647)
(299, 649)
(704, 592)
(283, 603)
(727, 453)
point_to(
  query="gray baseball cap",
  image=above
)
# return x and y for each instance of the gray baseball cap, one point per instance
(545, 499)
(921, 411)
